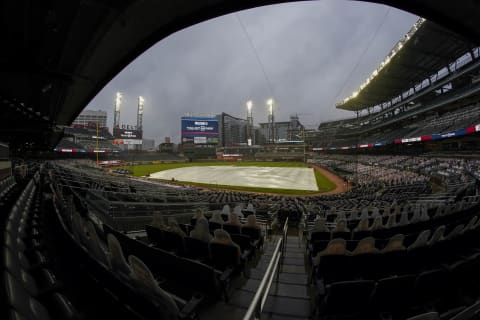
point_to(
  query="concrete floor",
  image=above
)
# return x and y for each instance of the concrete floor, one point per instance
(259, 177)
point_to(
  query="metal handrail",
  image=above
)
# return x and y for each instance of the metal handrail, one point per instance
(284, 237)
(256, 306)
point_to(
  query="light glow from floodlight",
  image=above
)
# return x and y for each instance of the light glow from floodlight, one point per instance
(118, 101)
(249, 105)
(270, 105)
(140, 104)
(400, 44)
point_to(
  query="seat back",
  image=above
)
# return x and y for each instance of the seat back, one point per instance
(337, 246)
(395, 243)
(358, 235)
(116, 259)
(375, 212)
(200, 277)
(348, 297)
(197, 249)
(78, 228)
(158, 260)
(431, 285)
(320, 235)
(377, 224)
(341, 234)
(470, 225)
(173, 241)
(253, 233)
(316, 246)
(94, 244)
(403, 219)
(238, 210)
(364, 214)
(392, 221)
(18, 298)
(437, 235)
(146, 284)
(243, 241)
(426, 316)
(226, 209)
(126, 243)
(224, 256)
(365, 246)
(335, 268)
(214, 225)
(421, 240)
(362, 225)
(232, 229)
(417, 215)
(393, 293)
(193, 222)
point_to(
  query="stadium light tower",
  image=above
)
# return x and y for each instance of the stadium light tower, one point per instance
(271, 121)
(250, 135)
(141, 102)
(116, 114)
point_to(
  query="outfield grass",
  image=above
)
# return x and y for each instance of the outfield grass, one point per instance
(323, 183)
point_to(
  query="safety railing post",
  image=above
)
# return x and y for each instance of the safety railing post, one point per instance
(256, 306)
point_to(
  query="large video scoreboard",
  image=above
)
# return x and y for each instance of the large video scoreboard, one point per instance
(127, 136)
(200, 130)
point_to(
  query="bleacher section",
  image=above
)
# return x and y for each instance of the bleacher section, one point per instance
(434, 125)
(84, 139)
(387, 247)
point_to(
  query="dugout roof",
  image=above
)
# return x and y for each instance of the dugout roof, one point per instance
(57, 55)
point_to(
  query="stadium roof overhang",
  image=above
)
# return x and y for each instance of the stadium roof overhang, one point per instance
(422, 53)
(56, 56)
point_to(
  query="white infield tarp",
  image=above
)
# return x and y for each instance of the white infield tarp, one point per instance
(259, 177)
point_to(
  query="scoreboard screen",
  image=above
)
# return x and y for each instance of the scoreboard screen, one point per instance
(120, 133)
(127, 136)
(200, 130)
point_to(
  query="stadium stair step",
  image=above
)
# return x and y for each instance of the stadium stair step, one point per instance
(289, 296)
(279, 289)
(280, 317)
(293, 278)
(288, 306)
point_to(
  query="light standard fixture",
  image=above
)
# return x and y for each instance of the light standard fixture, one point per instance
(249, 106)
(116, 115)
(140, 105)
(271, 120)
(249, 123)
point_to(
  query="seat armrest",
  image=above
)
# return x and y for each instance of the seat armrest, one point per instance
(226, 275)
(189, 310)
(321, 289)
(244, 256)
(161, 280)
(225, 282)
(306, 235)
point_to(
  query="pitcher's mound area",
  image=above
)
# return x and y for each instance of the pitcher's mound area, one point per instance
(256, 177)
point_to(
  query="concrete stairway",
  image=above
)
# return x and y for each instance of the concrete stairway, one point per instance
(289, 296)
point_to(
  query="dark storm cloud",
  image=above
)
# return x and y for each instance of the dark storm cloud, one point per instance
(308, 51)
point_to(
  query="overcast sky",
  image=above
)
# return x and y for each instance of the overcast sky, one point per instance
(308, 50)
